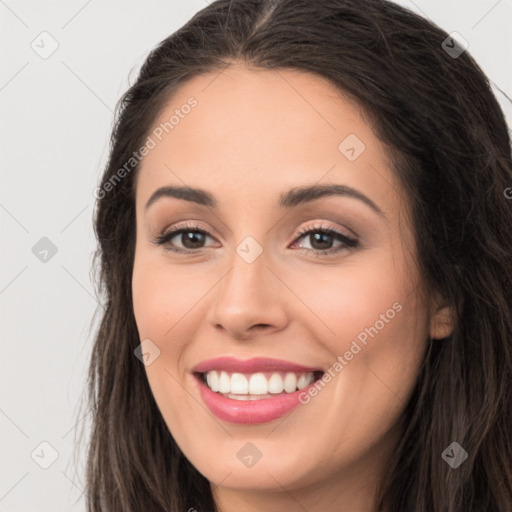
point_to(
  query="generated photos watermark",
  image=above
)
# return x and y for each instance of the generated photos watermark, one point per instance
(355, 348)
(152, 141)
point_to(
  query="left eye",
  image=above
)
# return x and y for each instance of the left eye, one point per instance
(321, 240)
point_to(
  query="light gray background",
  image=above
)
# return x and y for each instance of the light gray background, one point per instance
(56, 116)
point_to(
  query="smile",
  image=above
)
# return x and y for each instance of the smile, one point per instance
(255, 386)
(252, 391)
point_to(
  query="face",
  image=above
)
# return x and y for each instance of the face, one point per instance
(283, 285)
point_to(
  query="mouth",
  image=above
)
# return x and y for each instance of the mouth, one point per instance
(256, 386)
(252, 391)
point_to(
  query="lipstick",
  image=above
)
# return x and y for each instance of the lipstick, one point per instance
(250, 391)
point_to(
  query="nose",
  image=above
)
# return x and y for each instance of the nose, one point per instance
(249, 300)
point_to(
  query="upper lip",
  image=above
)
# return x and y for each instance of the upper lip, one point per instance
(253, 365)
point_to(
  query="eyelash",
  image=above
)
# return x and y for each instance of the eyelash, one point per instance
(348, 242)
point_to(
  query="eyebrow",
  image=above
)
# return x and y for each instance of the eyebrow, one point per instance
(290, 199)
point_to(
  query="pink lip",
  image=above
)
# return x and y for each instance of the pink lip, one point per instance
(256, 364)
(250, 411)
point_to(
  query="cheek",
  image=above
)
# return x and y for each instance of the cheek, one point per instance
(355, 297)
(373, 317)
(166, 306)
(161, 301)
(377, 324)
(161, 297)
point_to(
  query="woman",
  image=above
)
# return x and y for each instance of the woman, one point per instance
(305, 247)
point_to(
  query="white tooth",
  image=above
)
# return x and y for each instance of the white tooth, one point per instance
(258, 384)
(243, 397)
(290, 382)
(275, 383)
(305, 379)
(212, 378)
(239, 384)
(224, 383)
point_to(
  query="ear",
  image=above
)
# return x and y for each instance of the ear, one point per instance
(442, 321)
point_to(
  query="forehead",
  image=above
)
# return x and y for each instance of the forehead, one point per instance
(254, 133)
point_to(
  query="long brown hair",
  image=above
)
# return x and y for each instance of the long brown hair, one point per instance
(450, 149)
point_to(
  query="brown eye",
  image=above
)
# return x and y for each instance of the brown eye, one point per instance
(191, 239)
(321, 240)
(183, 239)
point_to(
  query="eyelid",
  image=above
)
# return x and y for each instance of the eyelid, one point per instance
(348, 233)
(191, 225)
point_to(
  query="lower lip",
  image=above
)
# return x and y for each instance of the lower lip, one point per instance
(249, 411)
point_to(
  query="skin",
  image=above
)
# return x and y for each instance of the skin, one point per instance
(253, 135)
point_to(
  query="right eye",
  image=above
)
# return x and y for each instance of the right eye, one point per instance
(190, 236)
